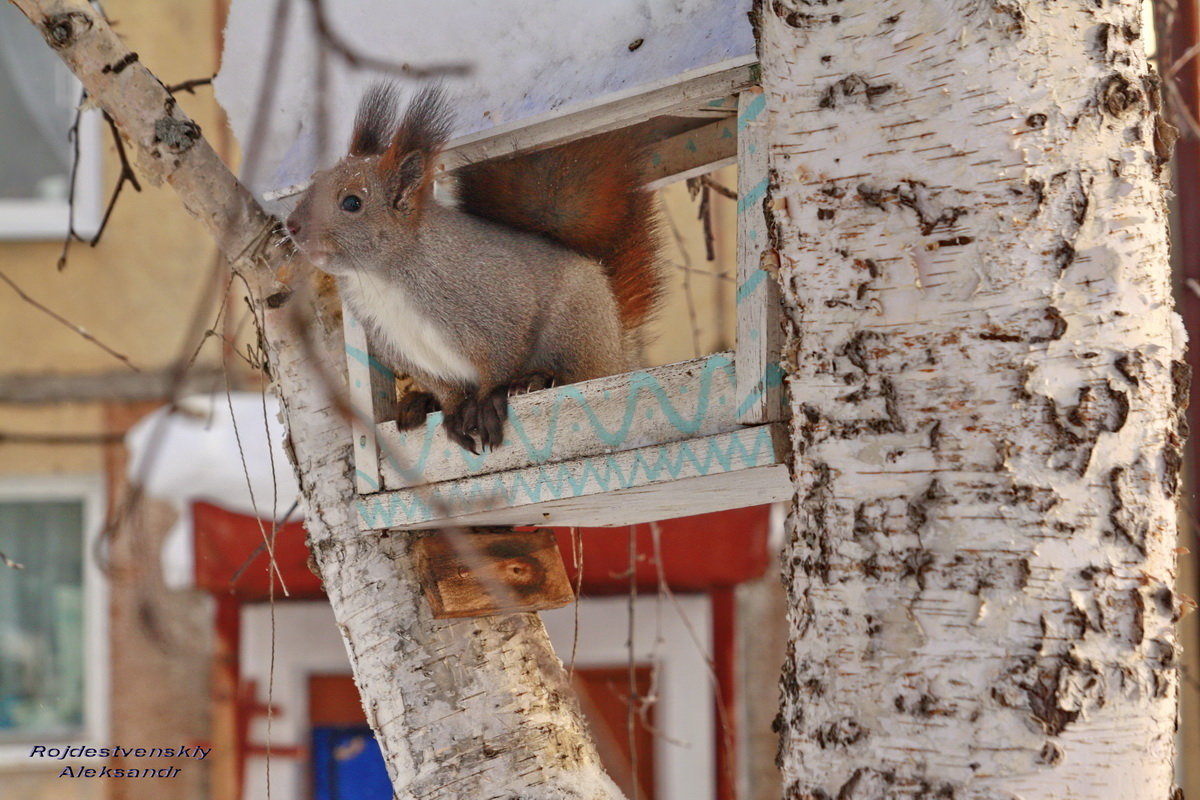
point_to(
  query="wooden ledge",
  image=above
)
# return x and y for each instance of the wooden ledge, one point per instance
(696, 475)
(660, 405)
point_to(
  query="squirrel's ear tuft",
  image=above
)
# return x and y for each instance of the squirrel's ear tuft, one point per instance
(424, 128)
(375, 121)
(421, 134)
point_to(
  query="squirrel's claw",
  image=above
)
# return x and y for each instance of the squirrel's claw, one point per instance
(493, 410)
(461, 425)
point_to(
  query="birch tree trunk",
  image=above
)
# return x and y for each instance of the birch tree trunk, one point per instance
(467, 708)
(967, 204)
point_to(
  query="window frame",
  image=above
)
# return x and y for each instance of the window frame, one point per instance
(47, 220)
(88, 489)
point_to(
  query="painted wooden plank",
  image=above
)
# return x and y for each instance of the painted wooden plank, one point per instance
(621, 412)
(693, 153)
(678, 94)
(372, 398)
(710, 473)
(483, 573)
(759, 310)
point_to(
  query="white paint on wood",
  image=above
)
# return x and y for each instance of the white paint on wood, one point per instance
(728, 470)
(759, 316)
(528, 61)
(620, 412)
(362, 374)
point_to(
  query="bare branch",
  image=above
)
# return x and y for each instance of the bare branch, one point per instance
(335, 43)
(79, 329)
(126, 175)
(191, 85)
(73, 135)
(721, 189)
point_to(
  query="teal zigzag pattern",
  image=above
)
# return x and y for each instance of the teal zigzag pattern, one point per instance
(750, 447)
(646, 392)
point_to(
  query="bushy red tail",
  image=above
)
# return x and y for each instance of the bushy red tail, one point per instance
(588, 196)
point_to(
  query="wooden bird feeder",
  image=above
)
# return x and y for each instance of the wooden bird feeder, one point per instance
(687, 438)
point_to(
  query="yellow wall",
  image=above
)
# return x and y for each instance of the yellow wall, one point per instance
(136, 292)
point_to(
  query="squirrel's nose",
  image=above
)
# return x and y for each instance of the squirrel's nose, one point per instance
(293, 226)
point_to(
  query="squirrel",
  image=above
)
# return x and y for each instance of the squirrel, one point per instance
(545, 273)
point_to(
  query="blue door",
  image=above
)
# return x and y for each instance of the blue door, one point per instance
(347, 764)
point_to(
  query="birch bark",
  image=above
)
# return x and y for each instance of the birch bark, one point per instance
(967, 203)
(468, 708)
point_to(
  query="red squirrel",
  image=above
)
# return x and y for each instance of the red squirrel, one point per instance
(545, 273)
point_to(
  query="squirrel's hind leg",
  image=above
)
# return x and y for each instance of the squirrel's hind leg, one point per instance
(413, 408)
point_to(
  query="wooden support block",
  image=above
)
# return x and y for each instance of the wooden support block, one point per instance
(740, 468)
(479, 573)
(372, 399)
(693, 153)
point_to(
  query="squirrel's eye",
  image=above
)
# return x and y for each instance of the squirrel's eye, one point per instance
(351, 203)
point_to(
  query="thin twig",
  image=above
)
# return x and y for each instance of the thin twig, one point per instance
(261, 548)
(335, 43)
(273, 567)
(577, 559)
(126, 176)
(687, 283)
(721, 189)
(1182, 61)
(721, 276)
(190, 86)
(79, 329)
(73, 135)
(1182, 112)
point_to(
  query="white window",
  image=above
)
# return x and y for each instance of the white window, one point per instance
(39, 96)
(53, 654)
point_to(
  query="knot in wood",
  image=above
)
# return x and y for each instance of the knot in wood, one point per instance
(1118, 95)
(177, 134)
(62, 29)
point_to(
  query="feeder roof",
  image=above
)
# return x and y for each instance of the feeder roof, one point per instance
(528, 59)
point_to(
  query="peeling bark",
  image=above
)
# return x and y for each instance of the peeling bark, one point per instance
(470, 708)
(971, 232)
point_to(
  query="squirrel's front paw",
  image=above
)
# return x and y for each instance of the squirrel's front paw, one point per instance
(413, 408)
(461, 425)
(493, 410)
(479, 416)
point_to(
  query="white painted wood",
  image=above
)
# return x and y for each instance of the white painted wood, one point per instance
(372, 392)
(759, 315)
(704, 92)
(980, 560)
(620, 412)
(677, 94)
(727, 470)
